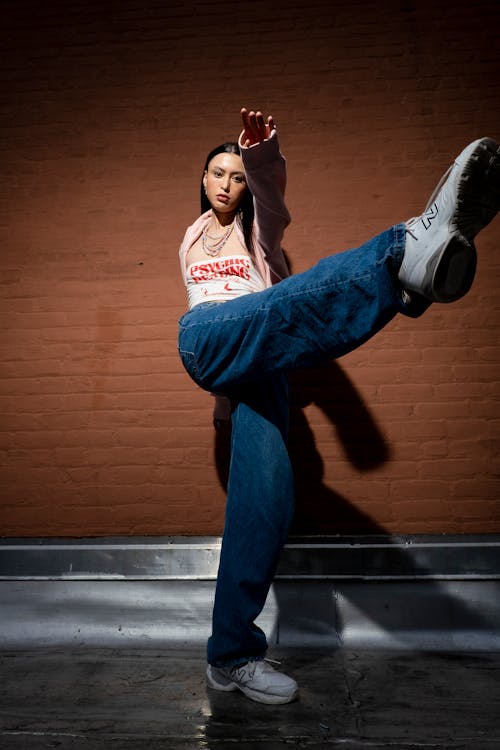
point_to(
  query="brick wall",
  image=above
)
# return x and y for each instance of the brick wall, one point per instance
(108, 110)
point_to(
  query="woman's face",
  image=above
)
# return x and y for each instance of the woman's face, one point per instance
(224, 182)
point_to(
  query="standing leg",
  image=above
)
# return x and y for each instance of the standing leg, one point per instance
(258, 515)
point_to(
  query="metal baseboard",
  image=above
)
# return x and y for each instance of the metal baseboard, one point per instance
(417, 557)
(418, 593)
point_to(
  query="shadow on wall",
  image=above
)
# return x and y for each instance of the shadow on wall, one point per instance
(318, 508)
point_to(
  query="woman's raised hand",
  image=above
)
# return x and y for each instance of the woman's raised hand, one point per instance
(256, 129)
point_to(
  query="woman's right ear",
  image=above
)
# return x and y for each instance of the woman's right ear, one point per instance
(205, 180)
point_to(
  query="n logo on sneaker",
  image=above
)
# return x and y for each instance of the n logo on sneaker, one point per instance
(429, 216)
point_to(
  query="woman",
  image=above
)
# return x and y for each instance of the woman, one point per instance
(244, 331)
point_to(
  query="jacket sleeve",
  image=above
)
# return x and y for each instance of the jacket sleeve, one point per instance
(265, 170)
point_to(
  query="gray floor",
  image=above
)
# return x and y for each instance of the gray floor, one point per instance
(122, 699)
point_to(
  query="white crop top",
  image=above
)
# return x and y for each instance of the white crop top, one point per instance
(222, 279)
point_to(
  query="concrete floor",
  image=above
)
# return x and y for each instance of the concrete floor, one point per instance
(121, 699)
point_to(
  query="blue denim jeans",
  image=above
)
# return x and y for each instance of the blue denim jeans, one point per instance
(244, 349)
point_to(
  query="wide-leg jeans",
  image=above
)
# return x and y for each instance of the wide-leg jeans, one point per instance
(244, 349)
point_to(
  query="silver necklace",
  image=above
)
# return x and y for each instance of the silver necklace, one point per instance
(212, 246)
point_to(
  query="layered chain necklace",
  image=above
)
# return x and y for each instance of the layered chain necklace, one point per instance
(213, 245)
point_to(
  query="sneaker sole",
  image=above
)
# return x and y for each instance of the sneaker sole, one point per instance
(478, 198)
(478, 201)
(454, 270)
(268, 698)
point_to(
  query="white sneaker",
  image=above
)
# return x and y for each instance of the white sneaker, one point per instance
(440, 258)
(258, 680)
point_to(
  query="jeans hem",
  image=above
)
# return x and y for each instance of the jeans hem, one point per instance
(415, 305)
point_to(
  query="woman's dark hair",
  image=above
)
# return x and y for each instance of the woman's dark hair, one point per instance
(246, 207)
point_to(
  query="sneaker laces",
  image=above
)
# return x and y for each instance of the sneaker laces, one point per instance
(430, 202)
(252, 665)
(438, 187)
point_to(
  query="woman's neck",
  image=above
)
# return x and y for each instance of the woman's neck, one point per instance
(219, 221)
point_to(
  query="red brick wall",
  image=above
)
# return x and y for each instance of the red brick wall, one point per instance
(108, 110)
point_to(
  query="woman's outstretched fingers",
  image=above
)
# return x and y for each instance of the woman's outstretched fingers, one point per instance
(247, 133)
(259, 119)
(255, 127)
(253, 132)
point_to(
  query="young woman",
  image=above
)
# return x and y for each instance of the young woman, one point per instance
(244, 331)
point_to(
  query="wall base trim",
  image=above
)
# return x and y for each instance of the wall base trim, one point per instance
(416, 557)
